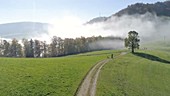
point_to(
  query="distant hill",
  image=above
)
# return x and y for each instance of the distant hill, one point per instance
(159, 8)
(98, 19)
(21, 30)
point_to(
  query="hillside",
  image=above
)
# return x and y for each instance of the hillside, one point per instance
(158, 8)
(23, 29)
(97, 19)
(145, 73)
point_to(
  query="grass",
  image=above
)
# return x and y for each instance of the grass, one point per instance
(48, 76)
(157, 45)
(144, 74)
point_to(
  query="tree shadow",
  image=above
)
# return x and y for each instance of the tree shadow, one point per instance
(151, 57)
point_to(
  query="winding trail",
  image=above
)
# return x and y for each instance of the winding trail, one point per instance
(88, 86)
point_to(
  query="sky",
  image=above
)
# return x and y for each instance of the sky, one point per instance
(48, 10)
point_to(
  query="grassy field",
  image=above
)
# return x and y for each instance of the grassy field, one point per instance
(48, 76)
(146, 73)
(143, 74)
(157, 45)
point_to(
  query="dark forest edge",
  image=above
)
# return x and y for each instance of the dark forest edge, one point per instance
(30, 48)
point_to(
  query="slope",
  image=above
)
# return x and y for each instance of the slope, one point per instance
(159, 9)
(143, 74)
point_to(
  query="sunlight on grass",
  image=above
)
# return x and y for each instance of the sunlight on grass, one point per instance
(48, 76)
(132, 75)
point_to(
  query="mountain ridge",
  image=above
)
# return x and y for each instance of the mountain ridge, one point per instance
(21, 30)
(158, 8)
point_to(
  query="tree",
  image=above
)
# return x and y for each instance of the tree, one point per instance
(15, 49)
(69, 47)
(53, 46)
(31, 48)
(1, 47)
(37, 48)
(19, 50)
(60, 46)
(44, 49)
(132, 41)
(28, 48)
(6, 46)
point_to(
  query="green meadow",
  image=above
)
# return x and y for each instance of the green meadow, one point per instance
(46, 76)
(146, 73)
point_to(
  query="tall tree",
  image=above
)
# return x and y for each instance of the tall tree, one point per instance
(28, 48)
(6, 47)
(1, 47)
(15, 49)
(132, 41)
(44, 49)
(37, 48)
(53, 46)
(31, 48)
(83, 44)
(19, 50)
(60, 46)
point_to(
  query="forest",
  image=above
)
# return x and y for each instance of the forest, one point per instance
(57, 47)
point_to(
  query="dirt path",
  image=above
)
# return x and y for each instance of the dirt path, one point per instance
(88, 86)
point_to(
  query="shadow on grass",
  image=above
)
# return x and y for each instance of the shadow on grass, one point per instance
(151, 57)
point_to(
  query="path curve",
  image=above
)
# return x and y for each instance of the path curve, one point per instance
(89, 83)
(88, 86)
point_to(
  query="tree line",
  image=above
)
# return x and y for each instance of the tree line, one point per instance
(57, 47)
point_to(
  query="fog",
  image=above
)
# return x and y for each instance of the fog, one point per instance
(107, 44)
(149, 26)
(72, 27)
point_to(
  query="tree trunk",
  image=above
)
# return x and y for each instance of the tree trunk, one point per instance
(133, 47)
(133, 50)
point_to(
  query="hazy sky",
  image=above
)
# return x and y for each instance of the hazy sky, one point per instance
(46, 10)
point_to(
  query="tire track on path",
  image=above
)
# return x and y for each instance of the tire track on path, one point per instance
(88, 86)
(89, 83)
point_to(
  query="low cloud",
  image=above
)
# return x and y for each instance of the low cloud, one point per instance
(149, 26)
(107, 44)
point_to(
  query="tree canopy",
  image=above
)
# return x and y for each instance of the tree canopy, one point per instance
(132, 41)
